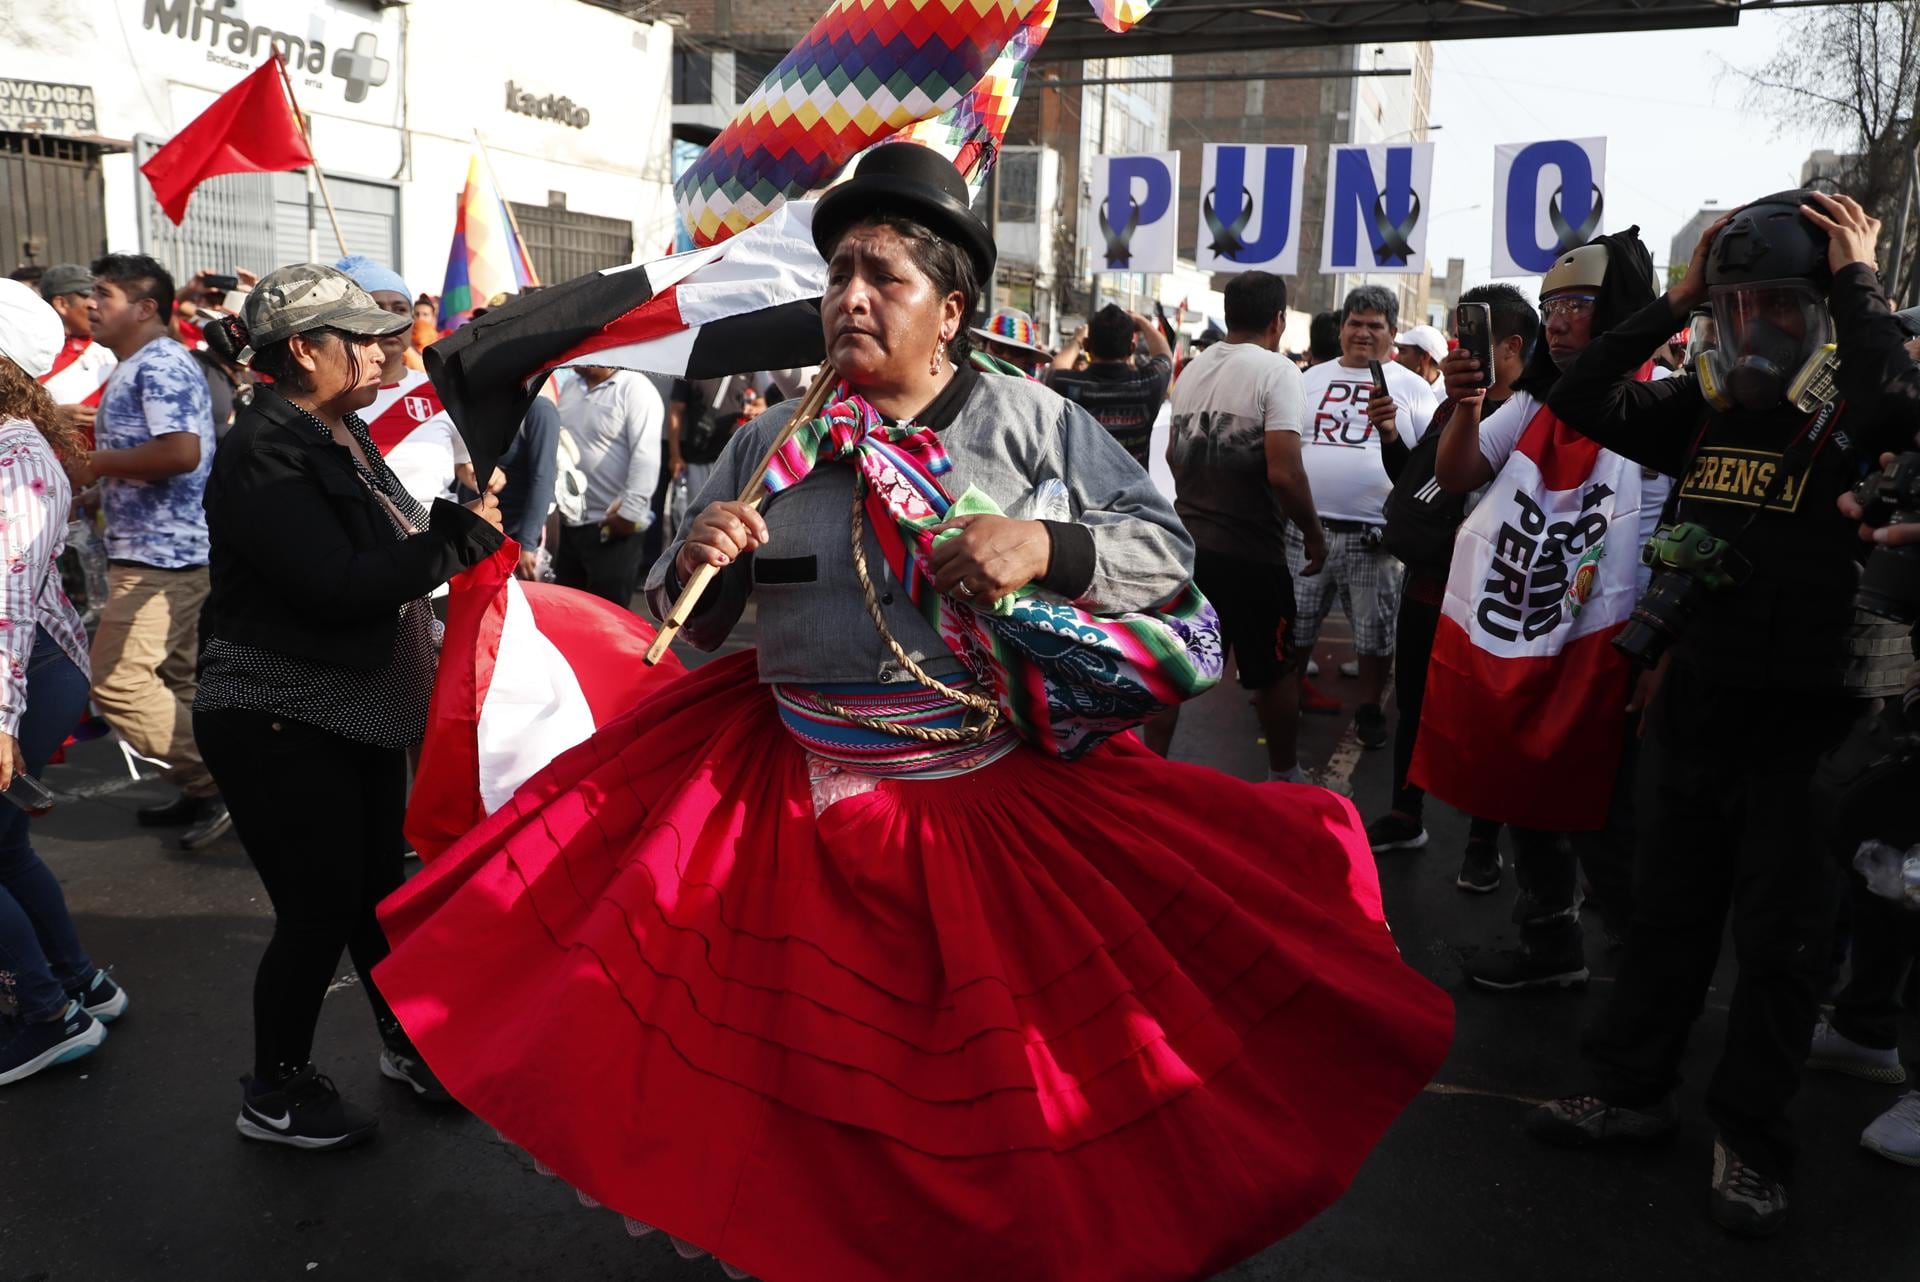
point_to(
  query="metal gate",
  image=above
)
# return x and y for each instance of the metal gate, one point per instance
(564, 244)
(259, 222)
(52, 203)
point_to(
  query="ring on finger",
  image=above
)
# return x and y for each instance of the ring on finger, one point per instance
(965, 588)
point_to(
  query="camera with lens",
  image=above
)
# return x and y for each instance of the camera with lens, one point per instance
(1688, 562)
(1890, 585)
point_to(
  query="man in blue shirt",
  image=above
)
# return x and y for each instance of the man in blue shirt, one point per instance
(154, 436)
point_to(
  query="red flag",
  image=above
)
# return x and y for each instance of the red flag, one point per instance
(252, 128)
(527, 671)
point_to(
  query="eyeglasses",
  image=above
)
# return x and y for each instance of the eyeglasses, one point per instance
(1571, 306)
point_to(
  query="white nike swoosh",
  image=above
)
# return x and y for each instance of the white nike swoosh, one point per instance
(279, 1123)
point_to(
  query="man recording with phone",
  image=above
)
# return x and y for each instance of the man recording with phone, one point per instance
(1354, 405)
(1752, 602)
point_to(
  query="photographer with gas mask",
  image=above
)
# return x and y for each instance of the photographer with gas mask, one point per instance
(1767, 666)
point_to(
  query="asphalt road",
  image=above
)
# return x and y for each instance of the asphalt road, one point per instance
(126, 1166)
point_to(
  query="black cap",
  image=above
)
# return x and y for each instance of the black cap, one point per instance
(1769, 239)
(905, 178)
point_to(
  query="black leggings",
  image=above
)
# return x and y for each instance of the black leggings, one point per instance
(320, 817)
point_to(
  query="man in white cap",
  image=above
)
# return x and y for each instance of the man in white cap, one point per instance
(1421, 349)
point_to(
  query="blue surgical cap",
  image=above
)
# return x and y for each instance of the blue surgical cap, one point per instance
(370, 275)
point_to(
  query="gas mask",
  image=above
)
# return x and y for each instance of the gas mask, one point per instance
(1770, 338)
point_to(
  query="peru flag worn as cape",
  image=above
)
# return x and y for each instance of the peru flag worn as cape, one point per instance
(1523, 718)
(527, 671)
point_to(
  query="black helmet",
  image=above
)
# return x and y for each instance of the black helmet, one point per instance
(1769, 240)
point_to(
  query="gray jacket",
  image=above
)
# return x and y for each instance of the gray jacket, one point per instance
(1037, 455)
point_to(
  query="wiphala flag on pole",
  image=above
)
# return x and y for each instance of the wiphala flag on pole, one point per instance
(943, 73)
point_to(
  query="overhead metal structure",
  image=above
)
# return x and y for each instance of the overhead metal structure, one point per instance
(1213, 26)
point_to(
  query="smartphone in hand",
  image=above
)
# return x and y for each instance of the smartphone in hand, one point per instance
(1379, 377)
(1473, 322)
(29, 794)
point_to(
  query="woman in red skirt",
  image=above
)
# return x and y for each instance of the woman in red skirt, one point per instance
(876, 954)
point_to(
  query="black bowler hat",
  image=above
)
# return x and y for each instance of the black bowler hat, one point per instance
(906, 178)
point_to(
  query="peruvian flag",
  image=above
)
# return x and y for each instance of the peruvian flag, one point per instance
(750, 302)
(1523, 719)
(79, 373)
(527, 671)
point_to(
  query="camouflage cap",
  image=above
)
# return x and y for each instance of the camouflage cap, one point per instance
(309, 296)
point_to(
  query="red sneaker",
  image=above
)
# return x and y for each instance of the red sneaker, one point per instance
(1313, 700)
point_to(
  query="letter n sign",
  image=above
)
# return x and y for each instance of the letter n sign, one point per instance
(1250, 208)
(1135, 219)
(1377, 206)
(1547, 198)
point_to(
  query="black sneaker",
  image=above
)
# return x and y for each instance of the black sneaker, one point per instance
(1511, 969)
(101, 998)
(1576, 1121)
(1479, 868)
(172, 814)
(27, 1047)
(1745, 1202)
(406, 1066)
(212, 824)
(1370, 724)
(305, 1111)
(1395, 831)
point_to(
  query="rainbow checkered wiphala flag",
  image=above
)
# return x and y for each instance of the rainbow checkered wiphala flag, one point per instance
(943, 73)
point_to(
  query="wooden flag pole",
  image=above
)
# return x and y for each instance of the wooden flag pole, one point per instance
(486, 158)
(306, 133)
(750, 494)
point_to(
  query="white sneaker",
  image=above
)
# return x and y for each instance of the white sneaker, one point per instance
(1895, 1134)
(1313, 667)
(1838, 1054)
(1351, 668)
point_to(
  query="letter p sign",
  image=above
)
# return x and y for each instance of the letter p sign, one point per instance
(1134, 211)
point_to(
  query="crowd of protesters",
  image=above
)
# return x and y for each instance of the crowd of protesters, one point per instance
(254, 497)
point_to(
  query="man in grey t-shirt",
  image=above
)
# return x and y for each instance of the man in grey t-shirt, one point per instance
(1234, 449)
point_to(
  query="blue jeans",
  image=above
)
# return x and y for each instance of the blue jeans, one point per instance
(40, 953)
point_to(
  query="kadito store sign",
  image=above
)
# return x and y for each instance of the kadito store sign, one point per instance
(343, 60)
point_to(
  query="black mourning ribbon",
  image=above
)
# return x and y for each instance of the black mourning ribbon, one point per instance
(1569, 236)
(1228, 239)
(1120, 240)
(1394, 249)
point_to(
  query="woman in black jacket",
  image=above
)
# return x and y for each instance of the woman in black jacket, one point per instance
(317, 672)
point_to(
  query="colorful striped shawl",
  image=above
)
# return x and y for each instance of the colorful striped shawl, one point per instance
(1067, 678)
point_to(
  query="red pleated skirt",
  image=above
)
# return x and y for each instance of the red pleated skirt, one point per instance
(1114, 1020)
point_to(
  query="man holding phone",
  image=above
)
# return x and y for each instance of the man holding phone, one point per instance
(1354, 404)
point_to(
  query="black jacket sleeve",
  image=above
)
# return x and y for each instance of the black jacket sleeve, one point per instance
(285, 522)
(1654, 424)
(1880, 382)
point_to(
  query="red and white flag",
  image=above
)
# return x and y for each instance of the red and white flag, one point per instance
(527, 671)
(1524, 712)
(79, 373)
(750, 302)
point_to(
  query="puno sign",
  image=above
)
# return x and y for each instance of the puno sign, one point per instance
(565, 110)
(37, 107)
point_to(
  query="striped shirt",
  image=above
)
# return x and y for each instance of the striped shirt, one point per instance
(34, 498)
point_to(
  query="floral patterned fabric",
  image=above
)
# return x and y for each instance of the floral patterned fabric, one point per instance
(158, 390)
(34, 498)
